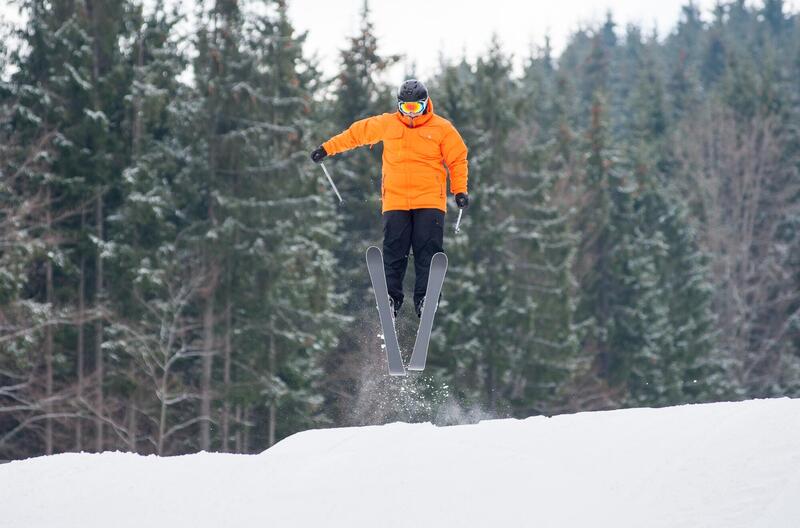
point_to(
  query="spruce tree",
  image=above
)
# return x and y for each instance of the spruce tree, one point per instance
(477, 298)
(67, 84)
(358, 91)
(154, 287)
(260, 233)
(299, 231)
(542, 247)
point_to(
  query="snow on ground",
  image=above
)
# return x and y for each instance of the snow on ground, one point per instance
(725, 465)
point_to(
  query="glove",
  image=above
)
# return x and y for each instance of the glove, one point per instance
(319, 154)
(462, 200)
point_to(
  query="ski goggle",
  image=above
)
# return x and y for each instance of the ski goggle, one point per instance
(412, 107)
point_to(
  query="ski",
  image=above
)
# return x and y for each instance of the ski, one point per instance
(378, 278)
(433, 290)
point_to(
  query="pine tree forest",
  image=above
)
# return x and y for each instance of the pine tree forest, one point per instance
(176, 274)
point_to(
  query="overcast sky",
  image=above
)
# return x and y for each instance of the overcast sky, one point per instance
(421, 31)
(424, 31)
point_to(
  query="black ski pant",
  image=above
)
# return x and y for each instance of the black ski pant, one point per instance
(421, 230)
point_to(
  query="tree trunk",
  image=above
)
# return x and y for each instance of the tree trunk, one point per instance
(81, 340)
(246, 441)
(162, 421)
(136, 133)
(98, 325)
(273, 411)
(133, 422)
(208, 351)
(208, 315)
(48, 349)
(238, 435)
(227, 378)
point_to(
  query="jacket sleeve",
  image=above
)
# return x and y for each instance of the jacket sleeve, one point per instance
(454, 151)
(363, 132)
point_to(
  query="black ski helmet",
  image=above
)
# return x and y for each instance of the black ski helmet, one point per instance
(412, 90)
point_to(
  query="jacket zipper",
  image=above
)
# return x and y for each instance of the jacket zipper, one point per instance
(408, 177)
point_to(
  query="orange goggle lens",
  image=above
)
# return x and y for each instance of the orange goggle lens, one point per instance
(412, 107)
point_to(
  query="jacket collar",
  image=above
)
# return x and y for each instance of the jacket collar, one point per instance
(419, 120)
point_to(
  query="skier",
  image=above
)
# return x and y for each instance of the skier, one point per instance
(417, 146)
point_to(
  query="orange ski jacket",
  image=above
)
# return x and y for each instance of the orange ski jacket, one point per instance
(415, 154)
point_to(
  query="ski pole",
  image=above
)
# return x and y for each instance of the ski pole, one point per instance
(458, 222)
(331, 182)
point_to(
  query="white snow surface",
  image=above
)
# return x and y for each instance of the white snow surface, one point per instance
(725, 465)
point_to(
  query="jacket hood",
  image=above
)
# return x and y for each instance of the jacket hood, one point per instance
(419, 120)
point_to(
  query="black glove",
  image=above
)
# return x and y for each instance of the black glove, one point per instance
(462, 200)
(319, 154)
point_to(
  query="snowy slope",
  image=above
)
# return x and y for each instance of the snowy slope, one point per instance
(724, 465)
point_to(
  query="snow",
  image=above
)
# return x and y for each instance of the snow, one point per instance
(725, 465)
